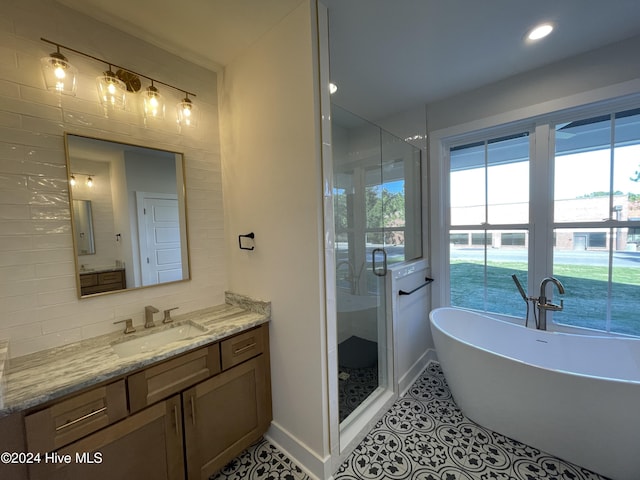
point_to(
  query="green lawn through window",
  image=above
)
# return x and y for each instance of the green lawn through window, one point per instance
(584, 300)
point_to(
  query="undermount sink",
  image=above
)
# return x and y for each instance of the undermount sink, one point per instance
(160, 338)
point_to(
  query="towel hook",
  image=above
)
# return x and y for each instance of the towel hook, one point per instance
(248, 235)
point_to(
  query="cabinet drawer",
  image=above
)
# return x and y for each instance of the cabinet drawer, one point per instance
(242, 347)
(88, 280)
(163, 380)
(76, 417)
(109, 277)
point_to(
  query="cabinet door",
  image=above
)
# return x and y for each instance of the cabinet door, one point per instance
(147, 445)
(224, 415)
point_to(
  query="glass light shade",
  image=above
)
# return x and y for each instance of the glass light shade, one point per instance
(153, 103)
(59, 74)
(111, 90)
(72, 181)
(187, 113)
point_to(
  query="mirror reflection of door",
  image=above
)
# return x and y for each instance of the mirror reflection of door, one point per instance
(159, 238)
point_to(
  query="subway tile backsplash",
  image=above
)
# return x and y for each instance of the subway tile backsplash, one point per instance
(39, 308)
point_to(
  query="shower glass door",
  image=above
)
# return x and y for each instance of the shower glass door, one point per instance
(372, 169)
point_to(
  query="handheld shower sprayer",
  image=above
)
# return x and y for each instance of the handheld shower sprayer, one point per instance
(519, 285)
(526, 300)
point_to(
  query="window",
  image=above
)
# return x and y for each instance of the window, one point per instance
(588, 219)
(596, 192)
(489, 198)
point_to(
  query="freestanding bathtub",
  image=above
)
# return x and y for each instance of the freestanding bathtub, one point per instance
(574, 396)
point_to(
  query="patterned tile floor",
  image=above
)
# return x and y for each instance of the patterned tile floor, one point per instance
(424, 436)
(357, 385)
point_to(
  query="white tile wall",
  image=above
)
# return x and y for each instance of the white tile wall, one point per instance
(39, 308)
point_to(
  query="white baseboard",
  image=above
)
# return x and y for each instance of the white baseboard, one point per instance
(416, 369)
(317, 468)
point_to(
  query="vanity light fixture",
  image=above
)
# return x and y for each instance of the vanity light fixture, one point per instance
(333, 88)
(540, 31)
(73, 181)
(187, 112)
(113, 87)
(59, 74)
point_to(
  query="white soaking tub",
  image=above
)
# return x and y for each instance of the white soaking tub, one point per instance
(574, 396)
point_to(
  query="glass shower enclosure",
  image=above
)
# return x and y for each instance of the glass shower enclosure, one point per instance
(377, 213)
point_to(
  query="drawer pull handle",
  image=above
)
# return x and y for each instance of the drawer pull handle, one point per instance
(77, 420)
(238, 351)
(193, 410)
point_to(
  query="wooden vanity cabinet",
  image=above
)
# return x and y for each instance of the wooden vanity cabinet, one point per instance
(145, 445)
(185, 417)
(99, 282)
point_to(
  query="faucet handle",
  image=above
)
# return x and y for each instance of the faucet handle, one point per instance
(554, 307)
(128, 328)
(167, 315)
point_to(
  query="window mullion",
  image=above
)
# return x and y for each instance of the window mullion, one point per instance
(541, 206)
(612, 147)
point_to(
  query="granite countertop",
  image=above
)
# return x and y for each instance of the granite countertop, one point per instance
(87, 271)
(40, 377)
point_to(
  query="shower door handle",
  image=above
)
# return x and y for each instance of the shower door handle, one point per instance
(379, 271)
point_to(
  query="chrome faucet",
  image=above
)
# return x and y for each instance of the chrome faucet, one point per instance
(149, 310)
(543, 304)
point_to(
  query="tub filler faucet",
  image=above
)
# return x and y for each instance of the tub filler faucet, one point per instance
(543, 303)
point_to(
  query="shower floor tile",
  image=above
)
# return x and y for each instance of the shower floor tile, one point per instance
(424, 436)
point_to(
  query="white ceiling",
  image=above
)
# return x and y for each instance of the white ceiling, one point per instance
(386, 55)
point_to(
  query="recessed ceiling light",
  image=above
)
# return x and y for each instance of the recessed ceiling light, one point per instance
(540, 31)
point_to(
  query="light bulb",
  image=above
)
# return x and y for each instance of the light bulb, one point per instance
(59, 72)
(540, 31)
(89, 182)
(72, 181)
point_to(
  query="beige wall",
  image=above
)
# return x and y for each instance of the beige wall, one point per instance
(272, 187)
(38, 303)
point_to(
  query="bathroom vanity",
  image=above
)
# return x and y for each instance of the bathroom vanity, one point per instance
(102, 281)
(182, 410)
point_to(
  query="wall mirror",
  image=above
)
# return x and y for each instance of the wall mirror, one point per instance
(128, 215)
